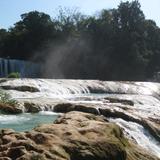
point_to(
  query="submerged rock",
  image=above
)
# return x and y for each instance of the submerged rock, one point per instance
(74, 136)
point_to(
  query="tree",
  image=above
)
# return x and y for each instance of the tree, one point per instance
(29, 34)
(130, 48)
(115, 44)
(152, 38)
(3, 36)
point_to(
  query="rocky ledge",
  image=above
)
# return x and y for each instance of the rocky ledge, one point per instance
(111, 107)
(74, 136)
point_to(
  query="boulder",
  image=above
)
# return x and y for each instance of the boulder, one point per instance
(31, 107)
(67, 107)
(12, 109)
(73, 136)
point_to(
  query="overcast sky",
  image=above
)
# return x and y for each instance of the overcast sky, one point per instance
(10, 10)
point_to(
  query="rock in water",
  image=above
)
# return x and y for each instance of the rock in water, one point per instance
(13, 109)
(74, 136)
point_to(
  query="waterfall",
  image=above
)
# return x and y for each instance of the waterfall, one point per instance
(50, 88)
(94, 94)
(25, 68)
(138, 134)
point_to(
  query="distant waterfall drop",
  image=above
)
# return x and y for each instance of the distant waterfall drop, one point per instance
(24, 68)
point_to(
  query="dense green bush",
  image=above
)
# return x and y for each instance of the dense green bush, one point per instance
(14, 75)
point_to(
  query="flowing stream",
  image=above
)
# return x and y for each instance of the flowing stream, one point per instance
(144, 95)
(138, 134)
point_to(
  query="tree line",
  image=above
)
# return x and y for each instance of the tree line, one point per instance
(114, 44)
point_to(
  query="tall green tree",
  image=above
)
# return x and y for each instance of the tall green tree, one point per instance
(3, 36)
(29, 34)
(115, 44)
(130, 52)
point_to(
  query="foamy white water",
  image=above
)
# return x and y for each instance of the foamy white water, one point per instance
(141, 136)
(48, 113)
(51, 88)
(144, 95)
(16, 119)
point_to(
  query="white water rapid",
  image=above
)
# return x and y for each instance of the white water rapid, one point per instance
(138, 134)
(144, 95)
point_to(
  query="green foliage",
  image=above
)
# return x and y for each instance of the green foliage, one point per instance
(14, 75)
(28, 35)
(116, 44)
(5, 98)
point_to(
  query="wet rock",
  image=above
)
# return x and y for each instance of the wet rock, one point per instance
(132, 101)
(31, 107)
(20, 88)
(74, 136)
(67, 107)
(153, 130)
(2, 80)
(118, 100)
(118, 114)
(12, 109)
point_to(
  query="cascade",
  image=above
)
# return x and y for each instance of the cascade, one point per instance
(25, 68)
(94, 94)
(138, 133)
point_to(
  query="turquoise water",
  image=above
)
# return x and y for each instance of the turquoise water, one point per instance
(26, 121)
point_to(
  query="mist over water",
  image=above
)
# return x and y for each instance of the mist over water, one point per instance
(65, 59)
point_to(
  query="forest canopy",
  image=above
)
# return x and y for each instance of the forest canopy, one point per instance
(114, 44)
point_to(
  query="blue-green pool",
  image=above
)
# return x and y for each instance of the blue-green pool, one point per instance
(26, 121)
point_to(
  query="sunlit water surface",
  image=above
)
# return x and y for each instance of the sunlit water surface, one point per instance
(26, 121)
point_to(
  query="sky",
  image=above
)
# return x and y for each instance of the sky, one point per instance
(10, 10)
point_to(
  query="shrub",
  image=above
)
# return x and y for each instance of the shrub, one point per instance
(14, 75)
(5, 98)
